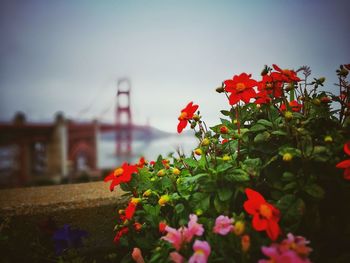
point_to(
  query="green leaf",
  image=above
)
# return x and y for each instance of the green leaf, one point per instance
(315, 191)
(290, 186)
(266, 123)
(225, 112)
(179, 208)
(262, 137)
(191, 162)
(225, 194)
(193, 179)
(257, 128)
(291, 150)
(279, 132)
(201, 201)
(223, 167)
(237, 175)
(288, 176)
(219, 205)
(166, 184)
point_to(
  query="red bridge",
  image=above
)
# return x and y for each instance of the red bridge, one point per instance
(36, 152)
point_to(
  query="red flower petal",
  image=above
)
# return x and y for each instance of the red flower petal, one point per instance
(347, 148)
(273, 230)
(344, 164)
(259, 224)
(347, 174)
(182, 125)
(277, 68)
(234, 98)
(254, 195)
(251, 207)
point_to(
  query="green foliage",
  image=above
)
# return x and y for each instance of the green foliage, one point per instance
(289, 156)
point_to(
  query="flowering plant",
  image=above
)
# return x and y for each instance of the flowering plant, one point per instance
(264, 179)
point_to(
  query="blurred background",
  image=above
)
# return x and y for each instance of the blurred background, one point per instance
(86, 85)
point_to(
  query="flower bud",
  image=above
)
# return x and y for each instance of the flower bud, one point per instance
(226, 157)
(121, 211)
(176, 171)
(198, 151)
(288, 115)
(147, 193)
(328, 138)
(196, 117)
(163, 200)
(287, 157)
(265, 71)
(205, 142)
(161, 173)
(162, 226)
(239, 228)
(325, 99)
(316, 102)
(199, 212)
(223, 129)
(320, 81)
(135, 200)
(245, 242)
(137, 226)
(220, 89)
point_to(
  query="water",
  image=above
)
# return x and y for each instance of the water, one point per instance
(107, 158)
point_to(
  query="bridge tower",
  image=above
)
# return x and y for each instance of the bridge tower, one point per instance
(123, 118)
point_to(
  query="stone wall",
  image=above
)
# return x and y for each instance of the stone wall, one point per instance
(23, 211)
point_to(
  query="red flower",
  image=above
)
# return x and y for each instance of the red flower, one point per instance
(294, 105)
(130, 210)
(137, 226)
(241, 88)
(186, 114)
(262, 97)
(142, 162)
(162, 226)
(120, 233)
(346, 163)
(285, 75)
(265, 215)
(271, 86)
(223, 129)
(120, 175)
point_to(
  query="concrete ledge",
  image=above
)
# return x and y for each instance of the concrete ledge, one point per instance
(33, 200)
(88, 206)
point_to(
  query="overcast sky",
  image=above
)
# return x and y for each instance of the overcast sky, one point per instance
(67, 55)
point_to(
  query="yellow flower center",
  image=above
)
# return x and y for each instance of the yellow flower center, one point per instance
(269, 85)
(265, 211)
(240, 86)
(183, 115)
(287, 72)
(118, 172)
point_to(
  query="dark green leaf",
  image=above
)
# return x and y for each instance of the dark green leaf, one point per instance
(315, 191)
(266, 123)
(237, 175)
(262, 137)
(225, 194)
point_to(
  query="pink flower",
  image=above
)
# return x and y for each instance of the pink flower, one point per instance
(223, 225)
(176, 257)
(175, 237)
(201, 252)
(293, 250)
(137, 255)
(194, 229)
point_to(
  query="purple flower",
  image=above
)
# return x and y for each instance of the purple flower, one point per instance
(66, 238)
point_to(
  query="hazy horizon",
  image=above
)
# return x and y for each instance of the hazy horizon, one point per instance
(67, 55)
